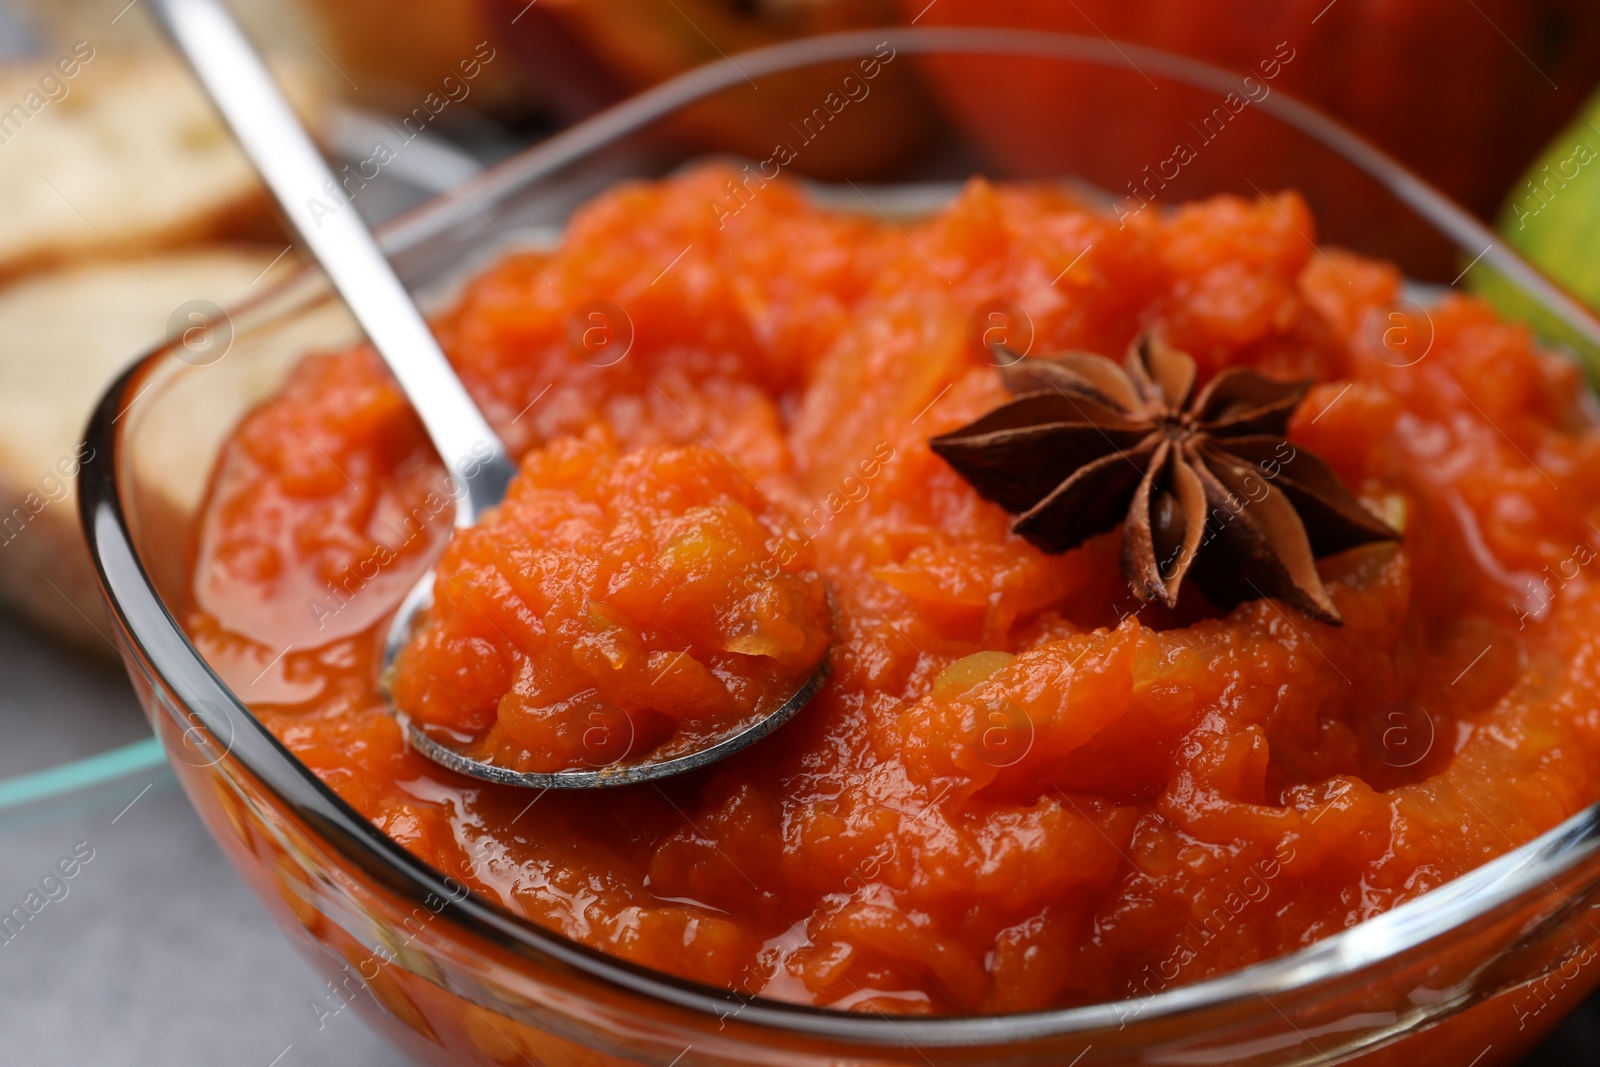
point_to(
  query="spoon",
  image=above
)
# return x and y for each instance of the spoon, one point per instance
(272, 136)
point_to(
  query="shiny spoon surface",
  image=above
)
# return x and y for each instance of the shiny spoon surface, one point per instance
(254, 107)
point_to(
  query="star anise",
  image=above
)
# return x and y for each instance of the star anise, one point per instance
(1203, 481)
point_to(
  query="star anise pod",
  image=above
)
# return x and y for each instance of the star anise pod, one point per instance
(1203, 481)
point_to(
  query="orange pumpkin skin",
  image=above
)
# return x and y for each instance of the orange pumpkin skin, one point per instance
(1463, 93)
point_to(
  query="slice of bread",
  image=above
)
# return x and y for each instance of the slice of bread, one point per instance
(63, 337)
(122, 157)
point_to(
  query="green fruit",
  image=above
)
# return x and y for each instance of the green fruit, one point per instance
(1552, 216)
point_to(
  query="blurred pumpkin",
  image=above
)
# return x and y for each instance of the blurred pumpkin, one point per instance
(1465, 93)
(405, 48)
(584, 55)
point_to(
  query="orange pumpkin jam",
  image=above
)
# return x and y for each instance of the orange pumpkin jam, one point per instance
(1019, 788)
(615, 606)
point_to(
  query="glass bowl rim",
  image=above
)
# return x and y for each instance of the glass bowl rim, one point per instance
(155, 637)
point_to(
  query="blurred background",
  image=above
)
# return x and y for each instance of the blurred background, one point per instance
(127, 217)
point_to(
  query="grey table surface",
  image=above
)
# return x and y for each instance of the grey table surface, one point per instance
(158, 955)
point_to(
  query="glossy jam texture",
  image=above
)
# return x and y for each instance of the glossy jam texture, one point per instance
(1019, 788)
(615, 607)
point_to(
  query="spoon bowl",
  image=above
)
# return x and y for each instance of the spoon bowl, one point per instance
(619, 772)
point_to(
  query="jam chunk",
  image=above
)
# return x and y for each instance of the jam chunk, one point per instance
(617, 604)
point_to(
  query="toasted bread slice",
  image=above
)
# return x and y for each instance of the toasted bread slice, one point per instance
(124, 157)
(63, 337)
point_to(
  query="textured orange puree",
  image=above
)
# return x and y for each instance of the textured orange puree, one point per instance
(1016, 790)
(615, 607)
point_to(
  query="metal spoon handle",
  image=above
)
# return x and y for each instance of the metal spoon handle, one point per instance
(274, 139)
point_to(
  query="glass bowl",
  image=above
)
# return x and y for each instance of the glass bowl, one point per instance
(1471, 973)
